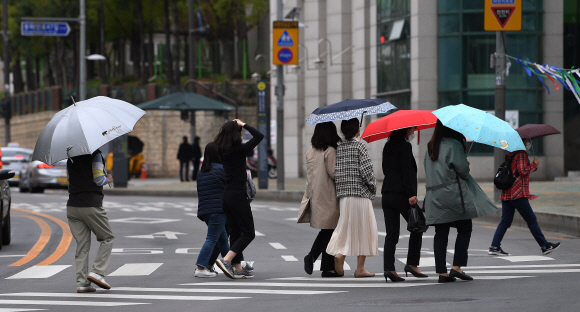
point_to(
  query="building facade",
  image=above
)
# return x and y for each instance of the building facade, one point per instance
(426, 55)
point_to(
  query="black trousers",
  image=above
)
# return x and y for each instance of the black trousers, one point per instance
(464, 228)
(319, 247)
(395, 204)
(195, 169)
(181, 165)
(241, 221)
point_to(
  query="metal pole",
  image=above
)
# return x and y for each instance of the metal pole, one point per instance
(82, 51)
(191, 42)
(6, 68)
(280, 113)
(500, 66)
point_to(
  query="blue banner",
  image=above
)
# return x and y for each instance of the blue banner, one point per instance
(262, 127)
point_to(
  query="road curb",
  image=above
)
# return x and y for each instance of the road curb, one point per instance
(566, 224)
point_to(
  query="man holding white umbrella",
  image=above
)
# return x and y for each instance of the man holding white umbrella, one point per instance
(76, 133)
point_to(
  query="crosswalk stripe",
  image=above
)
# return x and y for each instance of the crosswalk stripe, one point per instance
(381, 278)
(71, 303)
(469, 271)
(119, 296)
(423, 262)
(525, 258)
(316, 285)
(39, 272)
(523, 266)
(289, 258)
(259, 234)
(19, 310)
(277, 246)
(232, 291)
(136, 269)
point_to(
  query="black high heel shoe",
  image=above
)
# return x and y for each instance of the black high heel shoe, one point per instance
(393, 277)
(408, 269)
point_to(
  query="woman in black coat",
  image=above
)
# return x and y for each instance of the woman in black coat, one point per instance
(236, 205)
(399, 194)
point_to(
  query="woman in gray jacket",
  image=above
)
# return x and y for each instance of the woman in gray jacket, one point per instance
(453, 198)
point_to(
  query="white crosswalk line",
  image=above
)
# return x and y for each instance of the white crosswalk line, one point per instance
(317, 264)
(10, 256)
(524, 266)
(382, 279)
(71, 303)
(313, 285)
(289, 258)
(469, 271)
(232, 291)
(525, 258)
(39, 272)
(404, 235)
(136, 269)
(277, 246)
(259, 234)
(120, 296)
(423, 262)
(19, 310)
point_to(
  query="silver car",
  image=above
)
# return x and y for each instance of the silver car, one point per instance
(37, 176)
(15, 158)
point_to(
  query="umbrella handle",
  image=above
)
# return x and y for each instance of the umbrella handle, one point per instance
(361, 118)
(470, 146)
(68, 155)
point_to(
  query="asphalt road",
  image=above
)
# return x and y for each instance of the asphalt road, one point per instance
(157, 241)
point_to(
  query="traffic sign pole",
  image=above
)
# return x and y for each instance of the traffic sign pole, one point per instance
(6, 70)
(82, 51)
(500, 75)
(280, 113)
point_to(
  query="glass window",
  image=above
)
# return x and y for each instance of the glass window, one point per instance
(464, 73)
(394, 51)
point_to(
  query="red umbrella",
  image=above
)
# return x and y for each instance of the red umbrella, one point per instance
(401, 119)
(533, 131)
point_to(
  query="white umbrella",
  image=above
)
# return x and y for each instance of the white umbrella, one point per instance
(85, 126)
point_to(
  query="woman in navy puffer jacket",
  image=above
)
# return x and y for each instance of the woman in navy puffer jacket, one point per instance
(210, 189)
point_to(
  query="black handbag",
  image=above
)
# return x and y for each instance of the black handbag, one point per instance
(250, 187)
(416, 221)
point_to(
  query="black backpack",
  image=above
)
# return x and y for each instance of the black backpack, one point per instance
(504, 178)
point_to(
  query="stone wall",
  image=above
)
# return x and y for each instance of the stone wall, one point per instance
(161, 131)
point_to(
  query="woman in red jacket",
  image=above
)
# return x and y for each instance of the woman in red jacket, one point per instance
(518, 197)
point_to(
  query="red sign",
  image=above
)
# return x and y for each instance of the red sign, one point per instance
(503, 14)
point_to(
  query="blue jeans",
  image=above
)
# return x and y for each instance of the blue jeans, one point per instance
(216, 235)
(508, 208)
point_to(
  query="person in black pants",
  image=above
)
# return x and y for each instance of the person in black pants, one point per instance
(236, 205)
(196, 157)
(184, 155)
(399, 194)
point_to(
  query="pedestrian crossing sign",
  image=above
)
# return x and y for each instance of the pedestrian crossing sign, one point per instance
(285, 43)
(502, 15)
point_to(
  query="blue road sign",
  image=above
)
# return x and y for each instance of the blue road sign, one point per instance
(44, 29)
(285, 40)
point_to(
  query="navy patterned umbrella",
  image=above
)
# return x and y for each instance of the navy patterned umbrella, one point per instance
(349, 109)
(533, 131)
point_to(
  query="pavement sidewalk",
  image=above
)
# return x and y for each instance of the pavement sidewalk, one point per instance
(557, 207)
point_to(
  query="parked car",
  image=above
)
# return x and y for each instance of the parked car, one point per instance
(37, 176)
(5, 200)
(15, 158)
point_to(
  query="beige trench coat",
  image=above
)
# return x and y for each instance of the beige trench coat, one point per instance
(319, 205)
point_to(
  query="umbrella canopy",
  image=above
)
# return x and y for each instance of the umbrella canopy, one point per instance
(83, 127)
(480, 126)
(533, 131)
(185, 101)
(383, 127)
(349, 109)
(134, 145)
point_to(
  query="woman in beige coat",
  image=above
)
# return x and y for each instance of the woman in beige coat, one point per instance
(319, 205)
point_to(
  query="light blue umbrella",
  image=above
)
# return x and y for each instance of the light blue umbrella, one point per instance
(480, 126)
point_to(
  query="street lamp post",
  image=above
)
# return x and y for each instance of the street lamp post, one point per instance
(82, 51)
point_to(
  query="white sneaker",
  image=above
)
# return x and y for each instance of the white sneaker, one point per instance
(204, 273)
(86, 289)
(99, 280)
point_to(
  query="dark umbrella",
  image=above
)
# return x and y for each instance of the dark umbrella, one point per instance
(134, 145)
(349, 109)
(534, 131)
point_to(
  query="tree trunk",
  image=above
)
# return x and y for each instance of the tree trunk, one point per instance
(228, 48)
(135, 57)
(29, 73)
(151, 53)
(177, 49)
(49, 74)
(17, 74)
(242, 34)
(102, 64)
(167, 52)
(142, 54)
(37, 71)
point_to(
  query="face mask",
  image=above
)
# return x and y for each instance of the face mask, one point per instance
(528, 145)
(411, 137)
